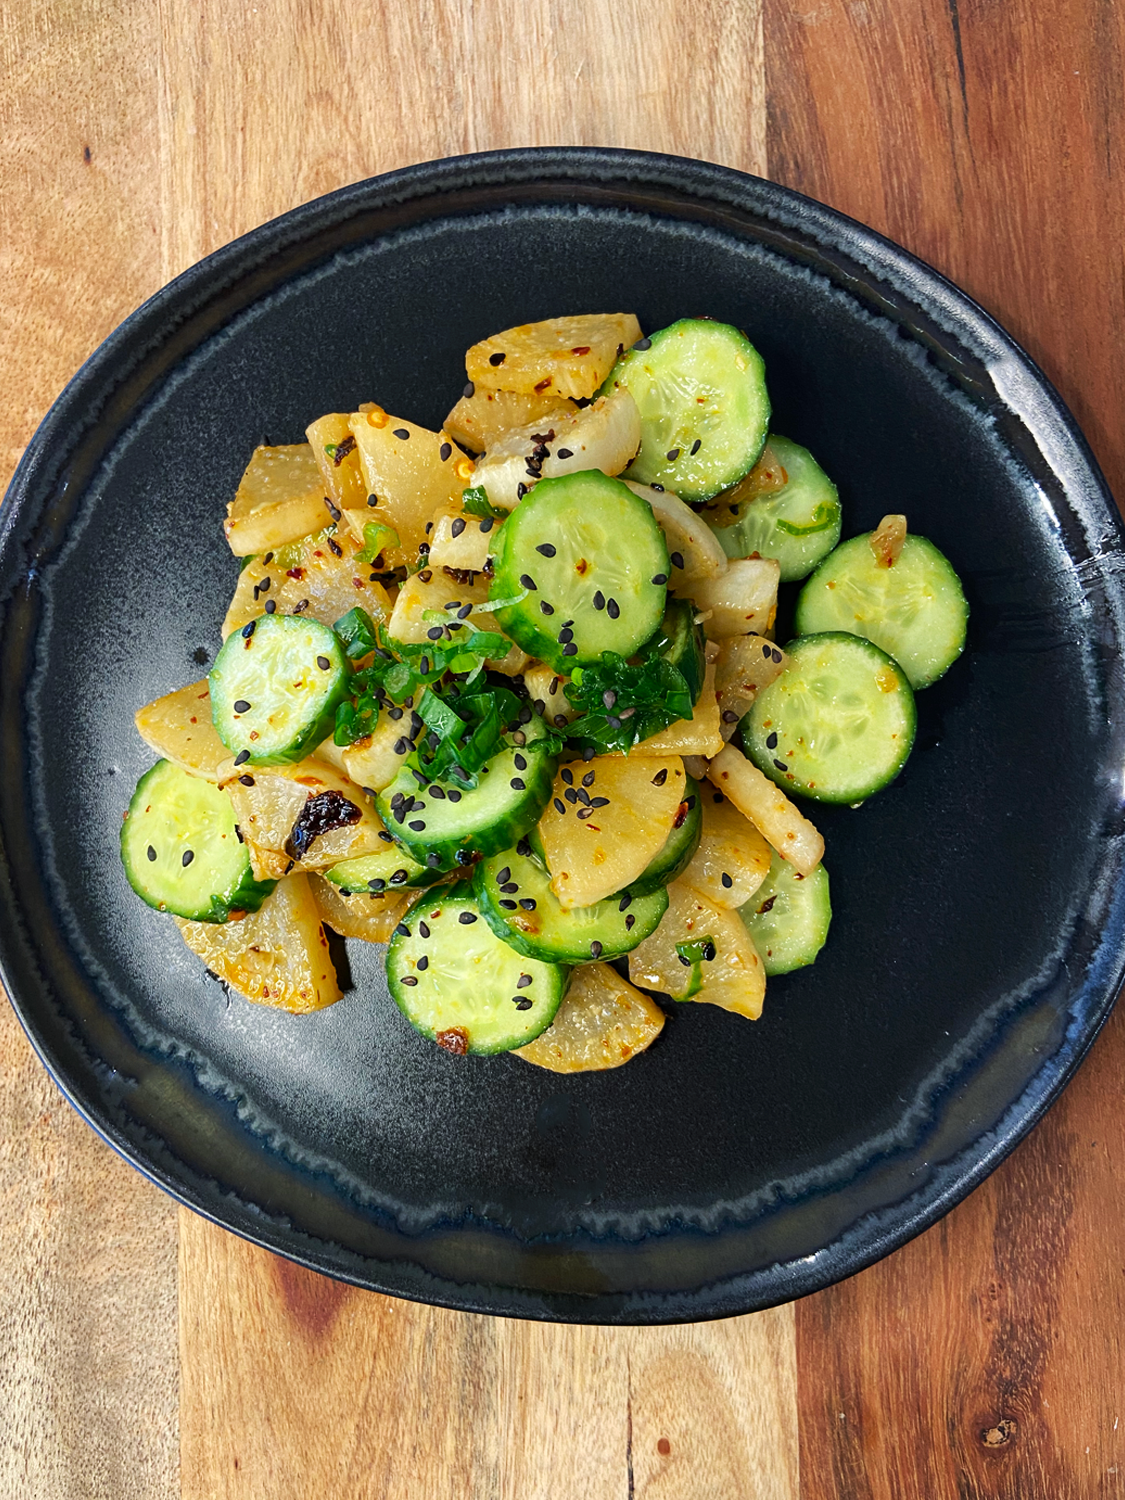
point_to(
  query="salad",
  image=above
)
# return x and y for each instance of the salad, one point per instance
(506, 698)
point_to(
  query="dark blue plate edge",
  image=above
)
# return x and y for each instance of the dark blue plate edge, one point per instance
(884, 261)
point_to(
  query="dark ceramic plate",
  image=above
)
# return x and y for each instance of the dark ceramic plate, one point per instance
(977, 941)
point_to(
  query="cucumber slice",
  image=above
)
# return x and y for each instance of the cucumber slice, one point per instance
(591, 564)
(837, 725)
(788, 915)
(915, 610)
(182, 851)
(679, 847)
(680, 641)
(389, 869)
(275, 687)
(445, 826)
(513, 891)
(457, 983)
(798, 525)
(700, 388)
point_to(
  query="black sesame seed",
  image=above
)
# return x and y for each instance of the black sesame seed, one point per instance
(264, 586)
(546, 549)
(437, 792)
(189, 855)
(780, 764)
(520, 761)
(709, 953)
(246, 780)
(612, 609)
(588, 753)
(151, 852)
(444, 451)
(523, 1004)
(775, 653)
(434, 633)
(660, 578)
(525, 717)
(417, 825)
(248, 630)
(333, 510)
(470, 391)
(376, 886)
(402, 746)
(672, 455)
(599, 801)
(545, 608)
(771, 741)
(467, 918)
(271, 605)
(424, 665)
(323, 663)
(423, 929)
(676, 559)
(584, 813)
(599, 600)
(527, 582)
(458, 525)
(559, 721)
(395, 713)
(423, 964)
(334, 547)
(517, 784)
(564, 453)
(523, 848)
(487, 524)
(241, 706)
(625, 903)
(560, 806)
(571, 795)
(507, 905)
(570, 649)
(643, 344)
(410, 980)
(401, 432)
(685, 961)
(504, 875)
(373, 500)
(528, 903)
(729, 716)
(497, 359)
(521, 490)
(588, 779)
(595, 949)
(242, 757)
(453, 794)
(629, 920)
(464, 612)
(566, 635)
(661, 777)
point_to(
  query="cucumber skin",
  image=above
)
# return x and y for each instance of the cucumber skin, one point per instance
(763, 759)
(680, 641)
(528, 947)
(815, 887)
(493, 838)
(247, 895)
(315, 730)
(522, 622)
(678, 850)
(677, 476)
(461, 893)
(735, 542)
(807, 601)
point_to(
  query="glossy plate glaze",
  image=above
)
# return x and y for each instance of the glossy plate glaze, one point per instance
(977, 940)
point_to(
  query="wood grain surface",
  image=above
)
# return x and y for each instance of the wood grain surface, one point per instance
(145, 1353)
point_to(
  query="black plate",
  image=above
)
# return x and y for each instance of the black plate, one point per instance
(977, 941)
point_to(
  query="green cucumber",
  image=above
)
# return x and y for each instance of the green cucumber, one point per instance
(678, 848)
(837, 725)
(700, 388)
(513, 891)
(390, 869)
(460, 985)
(679, 641)
(182, 851)
(583, 566)
(798, 525)
(444, 825)
(915, 610)
(275, 687)
(787, 917)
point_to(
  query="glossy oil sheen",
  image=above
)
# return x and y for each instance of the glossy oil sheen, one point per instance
(977, 939)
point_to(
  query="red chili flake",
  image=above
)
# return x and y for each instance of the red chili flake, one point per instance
(455, 1041)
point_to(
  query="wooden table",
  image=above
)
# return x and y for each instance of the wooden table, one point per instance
(144, 1352)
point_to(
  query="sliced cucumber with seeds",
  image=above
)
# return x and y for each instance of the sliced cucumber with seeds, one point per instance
(588, 565)
(460, 985)
(788, 916)
(182, 851)
(513, 890)
(390, 869)
(798, 524)
(275, 687)
(679, 847)
(700, 388)
(915, 609)
(837, 725)
(445, 826)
